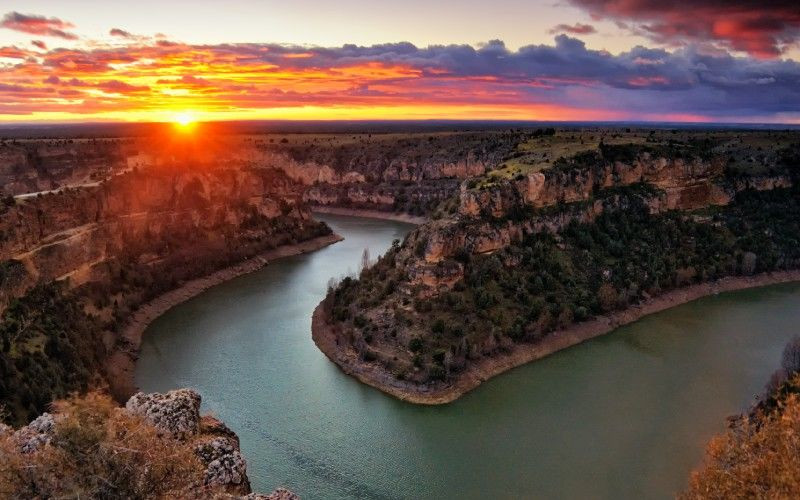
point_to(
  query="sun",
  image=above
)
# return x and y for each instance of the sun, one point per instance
(184, 119)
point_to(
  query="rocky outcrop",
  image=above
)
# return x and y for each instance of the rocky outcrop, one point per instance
(686, 184)
(175, 415)
(35, 435)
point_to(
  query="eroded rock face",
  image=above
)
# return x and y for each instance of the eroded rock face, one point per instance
(176, 413)
(176, 416)
(687, 184)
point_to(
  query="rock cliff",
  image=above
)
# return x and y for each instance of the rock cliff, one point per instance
(155, 219)
(411, 173)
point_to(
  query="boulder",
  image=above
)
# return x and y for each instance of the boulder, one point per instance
(176, 412)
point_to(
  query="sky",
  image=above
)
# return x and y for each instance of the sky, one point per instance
(603, 60)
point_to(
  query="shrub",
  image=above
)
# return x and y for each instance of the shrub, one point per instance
(437, 373)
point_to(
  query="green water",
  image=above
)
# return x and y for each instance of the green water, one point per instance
(622, 416)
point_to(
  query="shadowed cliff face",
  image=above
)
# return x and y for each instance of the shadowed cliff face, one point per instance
(28, 166)
(493, 217)
(411, 173)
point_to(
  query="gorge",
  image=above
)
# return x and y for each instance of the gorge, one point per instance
(530, 240)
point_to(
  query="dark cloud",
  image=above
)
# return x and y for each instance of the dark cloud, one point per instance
(763, 28)
(38, 25)
(120, 33)
(39, 44)
(575, 29)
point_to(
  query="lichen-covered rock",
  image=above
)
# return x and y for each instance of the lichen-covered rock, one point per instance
(4, 429)
(214, 449)
(35, 435)
(278, 494)
(176, 412)
(225, 466)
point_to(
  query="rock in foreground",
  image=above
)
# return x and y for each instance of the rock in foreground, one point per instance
(157, 446)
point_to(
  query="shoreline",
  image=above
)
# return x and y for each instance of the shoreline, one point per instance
(121, 364)
(376, 376)
(369, 214)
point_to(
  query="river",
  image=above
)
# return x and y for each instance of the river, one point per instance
(624, 415)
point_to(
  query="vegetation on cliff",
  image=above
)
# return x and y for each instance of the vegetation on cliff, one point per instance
(757, 456)
(74, 265)
(549, 280)
(49, 347)
(157, 446)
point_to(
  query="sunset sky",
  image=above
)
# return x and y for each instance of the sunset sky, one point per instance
(90, 60)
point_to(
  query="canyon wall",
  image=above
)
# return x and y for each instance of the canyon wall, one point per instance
(29, 166)
(153, 219)
(411, 173)
(525, 254)
(490, 218)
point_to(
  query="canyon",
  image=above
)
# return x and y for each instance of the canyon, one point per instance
(517, 254)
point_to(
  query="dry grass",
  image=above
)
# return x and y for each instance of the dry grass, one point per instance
(99, 451)
(754, 459)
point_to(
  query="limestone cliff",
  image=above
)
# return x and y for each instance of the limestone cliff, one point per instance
(533, 253)
(92, 256)
(156, 219)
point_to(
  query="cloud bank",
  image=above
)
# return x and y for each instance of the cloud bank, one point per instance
(564, 80)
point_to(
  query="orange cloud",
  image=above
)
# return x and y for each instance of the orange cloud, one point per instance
(148, 79)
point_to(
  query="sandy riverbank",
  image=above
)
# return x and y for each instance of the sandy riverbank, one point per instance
(373, 374)
(122, 362)
(370, 214)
